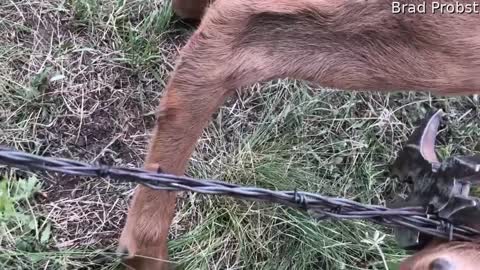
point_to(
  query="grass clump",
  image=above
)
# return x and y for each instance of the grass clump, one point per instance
(27, 237)
(23, 234)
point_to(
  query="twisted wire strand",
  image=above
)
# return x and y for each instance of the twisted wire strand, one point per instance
(319, 206)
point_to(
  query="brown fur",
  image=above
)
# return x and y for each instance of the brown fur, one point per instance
(464, 256)
(350, 45)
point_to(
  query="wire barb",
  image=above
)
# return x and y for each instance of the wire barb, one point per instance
(300, 200)
(415, 218)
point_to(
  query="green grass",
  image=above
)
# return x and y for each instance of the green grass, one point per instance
(26, 240)
(25, 236)
(82, 78)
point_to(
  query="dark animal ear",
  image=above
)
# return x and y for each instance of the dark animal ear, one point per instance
(423, 138)
(416, 159)
(418, 155)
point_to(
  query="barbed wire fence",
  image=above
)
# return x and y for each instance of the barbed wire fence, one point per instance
(319, 206)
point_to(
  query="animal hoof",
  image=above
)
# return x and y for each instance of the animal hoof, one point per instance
(122, 252)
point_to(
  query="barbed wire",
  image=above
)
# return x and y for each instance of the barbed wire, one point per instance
(317, 205)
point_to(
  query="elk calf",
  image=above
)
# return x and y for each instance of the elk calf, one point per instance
(349, 45)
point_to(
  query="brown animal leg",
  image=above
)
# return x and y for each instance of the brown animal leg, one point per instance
(175, 134)
(340, 44)
(204, 76)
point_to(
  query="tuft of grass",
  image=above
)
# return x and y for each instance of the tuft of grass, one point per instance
(27, 236)
(139, 39)
(86, 10)
(22, 232)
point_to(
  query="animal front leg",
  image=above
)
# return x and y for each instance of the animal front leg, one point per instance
(206, 73)
(180, 122)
